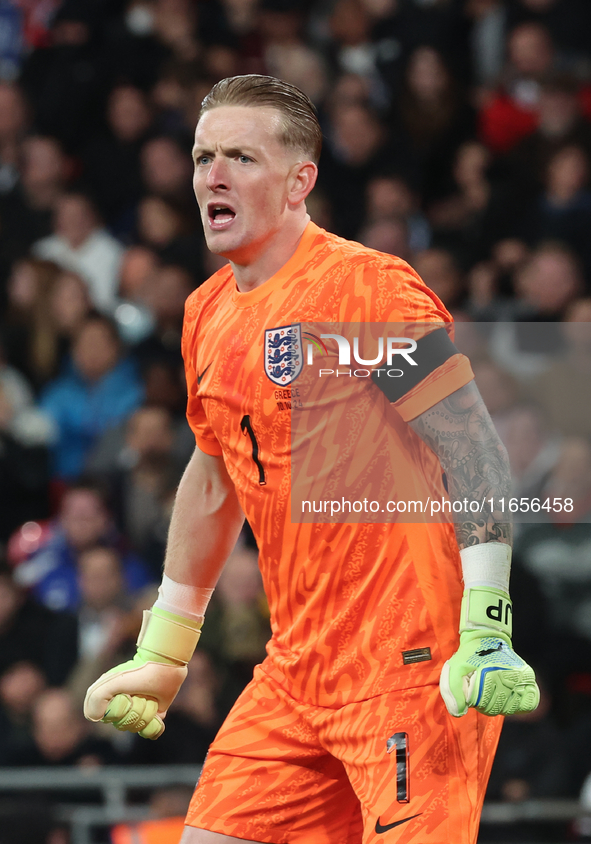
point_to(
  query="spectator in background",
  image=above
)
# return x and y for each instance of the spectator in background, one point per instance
(170, 96)
(166, 387)
(490, 283)
(571, 479)
(434, 117)
(137, 266)
(24, 464)
(134, 319)
(108, 617)
(238, 623)
(387, 235)
(460, 220)
(545, 284)
(69, 307)
(391, 196)
(164, 227)
(165, 296)
(560, 123)
(532, 759)
(130, 43)
(14, 117)
(350, 28)
(61, 736)
(141, 464)
(51, 572)
(175, 25)
(351, 89)
(533, 449)
(80, 245)
(167, 171)
(20, 685)
(487, 39)
(30, 633)
(440, 271)
(556, 554)
(14, 382)
(511, 113)
(25, 322)
(300, 65)
(62, 81)
(366, 40)
(112, 157)
(564, 390)
(99, 389)
(498, 389)
(219, 60)
(563, 211)
(569, 21)
(195, 92)
(104, 602)
(548, 282)
(26, 211)
(47, 307)
(356, 150)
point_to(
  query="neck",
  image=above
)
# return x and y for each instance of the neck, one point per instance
(271, 258)
(77, 240)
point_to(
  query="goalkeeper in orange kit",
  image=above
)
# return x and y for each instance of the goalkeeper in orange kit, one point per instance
(369, 718)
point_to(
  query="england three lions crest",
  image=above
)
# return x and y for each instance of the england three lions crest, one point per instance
(283, 354)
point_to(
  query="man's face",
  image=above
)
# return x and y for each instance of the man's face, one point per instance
(242, 173)
(83, 518)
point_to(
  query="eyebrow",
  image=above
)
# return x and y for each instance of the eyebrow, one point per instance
(231, 152)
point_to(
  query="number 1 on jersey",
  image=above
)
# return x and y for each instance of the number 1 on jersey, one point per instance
(246, 428)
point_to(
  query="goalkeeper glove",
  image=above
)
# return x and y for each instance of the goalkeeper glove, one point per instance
(136, 695)
(485, 672)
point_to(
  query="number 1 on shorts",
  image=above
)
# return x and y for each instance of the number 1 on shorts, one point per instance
(399, 743)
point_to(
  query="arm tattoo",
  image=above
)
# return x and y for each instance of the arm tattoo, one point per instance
(461, 433)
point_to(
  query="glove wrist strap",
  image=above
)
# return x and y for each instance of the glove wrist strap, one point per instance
(484, 608)
(168, 638)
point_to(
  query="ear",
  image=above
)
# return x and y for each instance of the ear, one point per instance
(302, 179)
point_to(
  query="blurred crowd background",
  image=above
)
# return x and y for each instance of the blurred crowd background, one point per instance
(457, 136)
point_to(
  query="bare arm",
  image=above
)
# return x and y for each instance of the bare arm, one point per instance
(461, 433)
(205, 524)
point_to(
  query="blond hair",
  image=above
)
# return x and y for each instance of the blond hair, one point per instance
(300, 129)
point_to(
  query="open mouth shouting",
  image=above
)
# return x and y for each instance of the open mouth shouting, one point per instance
(220, 215)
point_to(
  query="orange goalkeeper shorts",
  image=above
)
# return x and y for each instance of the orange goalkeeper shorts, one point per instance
(393, 769)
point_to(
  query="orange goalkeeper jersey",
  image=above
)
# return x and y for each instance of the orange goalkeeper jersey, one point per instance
(356, 609)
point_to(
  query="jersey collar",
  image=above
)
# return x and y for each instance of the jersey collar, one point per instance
(281, 278)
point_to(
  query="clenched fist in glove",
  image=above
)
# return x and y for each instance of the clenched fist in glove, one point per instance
(485, 672)
(136, 695)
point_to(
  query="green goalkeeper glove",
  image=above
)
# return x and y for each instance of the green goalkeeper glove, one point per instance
(136, 695)
(485, 672)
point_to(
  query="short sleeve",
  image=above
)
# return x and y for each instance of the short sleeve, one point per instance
(388, 290)
(204, 436)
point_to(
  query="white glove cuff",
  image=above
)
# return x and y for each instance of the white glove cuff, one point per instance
(488, 564)
(180, 599)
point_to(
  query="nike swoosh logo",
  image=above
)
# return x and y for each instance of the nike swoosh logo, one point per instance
(490, 650)
(381, 829)
(200, 377)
